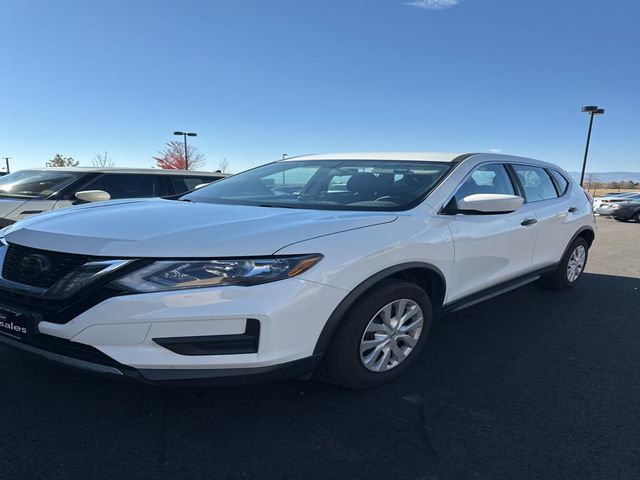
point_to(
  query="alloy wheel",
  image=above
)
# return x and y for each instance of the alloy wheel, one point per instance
(391, 335)
(576, 263)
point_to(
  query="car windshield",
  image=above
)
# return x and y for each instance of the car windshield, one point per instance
(328, 184)
(35, 183)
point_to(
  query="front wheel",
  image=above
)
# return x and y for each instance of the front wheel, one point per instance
(570, 268)
(379, 337)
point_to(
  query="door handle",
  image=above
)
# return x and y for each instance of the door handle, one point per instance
(528, 221)
(573, 209)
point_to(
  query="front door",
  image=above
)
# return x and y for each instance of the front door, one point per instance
(490, 248)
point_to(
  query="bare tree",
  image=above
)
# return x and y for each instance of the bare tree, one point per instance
(590, 180)
(223, 166)
(103, 161)
(173, 158)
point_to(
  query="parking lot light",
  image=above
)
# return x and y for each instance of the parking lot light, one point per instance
(186, 153)
(591, 110)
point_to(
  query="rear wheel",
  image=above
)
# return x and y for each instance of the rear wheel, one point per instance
(570, 268)
(379, 337)
(636, 217)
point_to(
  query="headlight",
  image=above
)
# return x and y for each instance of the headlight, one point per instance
(175, 275)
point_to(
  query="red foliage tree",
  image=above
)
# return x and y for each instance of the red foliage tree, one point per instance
(172, 157)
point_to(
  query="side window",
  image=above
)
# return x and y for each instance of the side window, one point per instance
(290, 181)
(491, 178)
(536, 183)
(338, 183)
(561, 182)
(126, 185)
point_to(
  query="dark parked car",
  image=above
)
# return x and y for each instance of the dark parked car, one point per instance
(622, 211)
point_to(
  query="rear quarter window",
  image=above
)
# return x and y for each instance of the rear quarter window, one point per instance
(561, 182)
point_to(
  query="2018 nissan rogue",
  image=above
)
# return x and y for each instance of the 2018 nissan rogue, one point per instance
(334, 264)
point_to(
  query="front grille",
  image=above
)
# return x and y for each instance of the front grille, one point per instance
(56, 265)
(31, 295)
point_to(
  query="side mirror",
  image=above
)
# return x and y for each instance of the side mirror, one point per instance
(489, 203)
(93, 196)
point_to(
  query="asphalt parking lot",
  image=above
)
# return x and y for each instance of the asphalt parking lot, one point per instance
(533, 384)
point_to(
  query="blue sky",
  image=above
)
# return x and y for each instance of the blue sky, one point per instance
(258, 78)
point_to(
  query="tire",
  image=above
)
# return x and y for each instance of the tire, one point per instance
(561, 278)
(344, 361)
(636, 217)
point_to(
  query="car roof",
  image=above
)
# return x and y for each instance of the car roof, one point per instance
(619, 195)
(152, 171)
(416, 156)
(447, 157)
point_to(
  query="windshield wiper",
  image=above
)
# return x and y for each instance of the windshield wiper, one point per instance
(271, 205)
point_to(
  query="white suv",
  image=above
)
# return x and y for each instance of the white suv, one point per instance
(334, 264)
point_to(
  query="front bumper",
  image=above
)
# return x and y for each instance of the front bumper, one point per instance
(604, 211)
(181, 377)
(123, 335)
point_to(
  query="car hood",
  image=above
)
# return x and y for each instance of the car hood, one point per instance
(173, 229)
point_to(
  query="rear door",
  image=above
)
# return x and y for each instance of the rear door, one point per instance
(490, 248)
(559, 215)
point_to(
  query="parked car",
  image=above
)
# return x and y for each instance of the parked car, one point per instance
(620, 197)
(333, 264)
(622, 211)
(615, 194)
(28, 192)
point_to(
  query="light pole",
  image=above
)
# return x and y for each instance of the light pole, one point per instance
(591, 110)
(186, 152)
(6, 159)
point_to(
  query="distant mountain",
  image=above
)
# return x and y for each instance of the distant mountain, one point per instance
(610, 176)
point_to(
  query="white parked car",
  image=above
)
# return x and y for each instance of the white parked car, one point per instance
(29, 192)
(329, 263)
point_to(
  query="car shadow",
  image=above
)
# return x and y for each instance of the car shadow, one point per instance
(532, 384)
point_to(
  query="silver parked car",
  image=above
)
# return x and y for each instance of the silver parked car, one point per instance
(29, 192)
